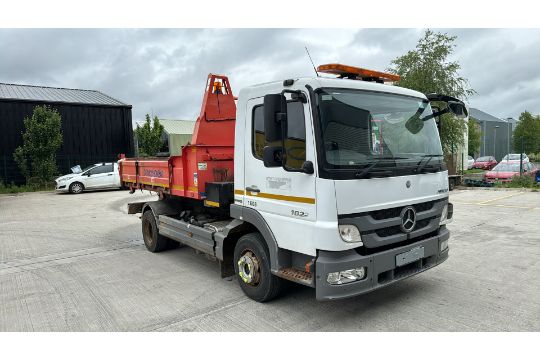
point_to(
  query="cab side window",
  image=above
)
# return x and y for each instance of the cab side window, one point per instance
(295, 144)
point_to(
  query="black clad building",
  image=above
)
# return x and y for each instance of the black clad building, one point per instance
(95, 126)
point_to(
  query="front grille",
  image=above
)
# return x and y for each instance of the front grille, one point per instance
(395, 212)
(394, 230)
(382, 228)
(364, 251)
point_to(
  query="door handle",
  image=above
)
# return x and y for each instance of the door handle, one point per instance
(110, 175)
(253, 189)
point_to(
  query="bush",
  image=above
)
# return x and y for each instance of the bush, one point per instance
(520, 182)
(14, 189)
(42, 138)
(534, 157)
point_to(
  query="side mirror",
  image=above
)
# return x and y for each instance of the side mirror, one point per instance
(458, 109)
(275, 117)
(273, 156)
(307, 167)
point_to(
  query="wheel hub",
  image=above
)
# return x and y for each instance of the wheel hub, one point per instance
(248, 268)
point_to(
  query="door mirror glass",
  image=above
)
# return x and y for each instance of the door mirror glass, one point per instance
(275, 117)
(458, 109)
(414, 124)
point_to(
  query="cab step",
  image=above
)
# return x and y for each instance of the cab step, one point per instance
(296, 275)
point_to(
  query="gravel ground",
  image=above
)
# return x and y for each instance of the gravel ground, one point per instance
(78, 263)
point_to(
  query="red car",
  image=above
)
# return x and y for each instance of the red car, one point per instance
(485, 163)
(506, 170)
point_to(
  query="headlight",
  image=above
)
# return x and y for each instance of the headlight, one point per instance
(346, 276)
(350, 234)
(446, 216)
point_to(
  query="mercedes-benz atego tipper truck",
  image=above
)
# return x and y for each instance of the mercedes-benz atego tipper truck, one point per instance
(336, 182)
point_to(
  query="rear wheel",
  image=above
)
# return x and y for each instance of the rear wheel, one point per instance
(76, 188)
(153, 241)
(252, 266)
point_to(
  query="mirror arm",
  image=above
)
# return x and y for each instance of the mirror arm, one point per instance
(437, 114)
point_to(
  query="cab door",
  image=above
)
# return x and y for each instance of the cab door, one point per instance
(284, 198)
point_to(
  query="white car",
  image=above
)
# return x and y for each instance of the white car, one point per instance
(470, 162)
(515, 157)
(97, 176)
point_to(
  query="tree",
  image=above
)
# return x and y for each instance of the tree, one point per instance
(428, 70)
(528, 130)
(149, 136)
(42, 138)
(474, 137)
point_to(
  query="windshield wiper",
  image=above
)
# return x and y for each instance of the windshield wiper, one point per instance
(366, 170)
(422, 166)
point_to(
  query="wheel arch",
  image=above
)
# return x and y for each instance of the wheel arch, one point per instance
(246, 220)
(159, 207)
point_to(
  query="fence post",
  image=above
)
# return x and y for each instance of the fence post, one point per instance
(5, 168)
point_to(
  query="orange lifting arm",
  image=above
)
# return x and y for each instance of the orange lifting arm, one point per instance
(215, 124)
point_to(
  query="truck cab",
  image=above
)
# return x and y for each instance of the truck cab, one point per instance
(339, 184)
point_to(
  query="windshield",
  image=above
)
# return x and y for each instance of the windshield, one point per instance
(361, 128)
(513, 157)
(483, 158)
(88, 168)
(511, 167)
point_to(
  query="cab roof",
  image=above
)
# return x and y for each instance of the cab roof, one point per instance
(329, 82)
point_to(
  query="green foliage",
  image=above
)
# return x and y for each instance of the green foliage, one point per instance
(428, 70)
(14, 189)
(528, 130)
(474, 137)
(520, 182)
(452, 133)
(474, 171)
(42, 138)
(149, 137)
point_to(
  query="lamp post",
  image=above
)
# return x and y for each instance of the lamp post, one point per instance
(508, 135)
(521, 158)
(494, 139)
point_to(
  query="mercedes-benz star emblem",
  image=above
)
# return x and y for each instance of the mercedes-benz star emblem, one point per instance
(408, 219)
(408, 184)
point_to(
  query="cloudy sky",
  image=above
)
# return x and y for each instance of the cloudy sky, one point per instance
(163, 71)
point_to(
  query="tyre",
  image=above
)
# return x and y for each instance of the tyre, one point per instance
(252, 267)
(153, 241)
(76, 188)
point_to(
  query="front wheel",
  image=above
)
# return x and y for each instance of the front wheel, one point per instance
(76, 188)
(252, 266)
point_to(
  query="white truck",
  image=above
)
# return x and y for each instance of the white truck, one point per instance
(337, 183)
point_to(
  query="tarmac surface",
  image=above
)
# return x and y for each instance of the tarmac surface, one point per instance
(78, 263)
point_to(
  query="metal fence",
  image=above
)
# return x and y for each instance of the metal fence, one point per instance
(10, 173)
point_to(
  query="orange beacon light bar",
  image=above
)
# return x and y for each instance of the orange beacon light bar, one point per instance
(351, 72)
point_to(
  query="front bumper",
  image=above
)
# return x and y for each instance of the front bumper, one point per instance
(61, 186)
(381, 267)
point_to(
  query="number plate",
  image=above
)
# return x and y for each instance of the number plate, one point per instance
(410, 256)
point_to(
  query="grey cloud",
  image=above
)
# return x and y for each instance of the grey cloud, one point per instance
(163, 70)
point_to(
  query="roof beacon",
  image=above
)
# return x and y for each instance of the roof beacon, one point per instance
(356, 73)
